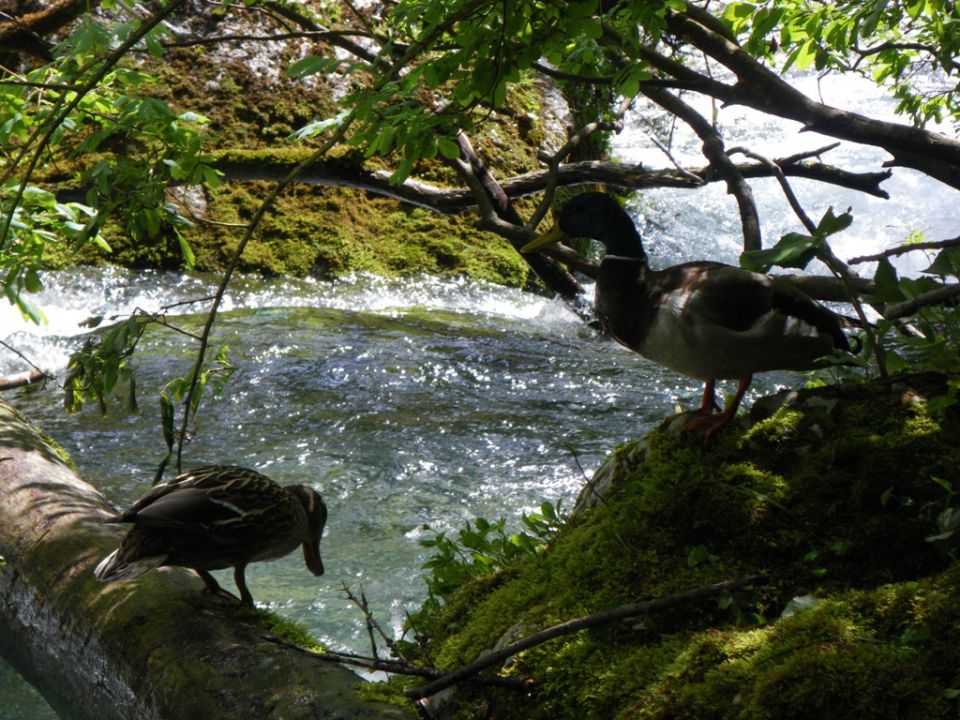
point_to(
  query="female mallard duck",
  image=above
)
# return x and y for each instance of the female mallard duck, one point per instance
(703, 319)
(217, 517)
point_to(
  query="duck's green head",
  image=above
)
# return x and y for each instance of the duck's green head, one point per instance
(594, 215)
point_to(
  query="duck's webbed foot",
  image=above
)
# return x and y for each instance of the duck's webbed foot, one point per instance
(211, 586)
(709, 422)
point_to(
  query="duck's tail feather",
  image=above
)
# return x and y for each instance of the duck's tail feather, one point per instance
(113, 567)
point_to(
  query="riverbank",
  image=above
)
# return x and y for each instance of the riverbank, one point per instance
(840, 498)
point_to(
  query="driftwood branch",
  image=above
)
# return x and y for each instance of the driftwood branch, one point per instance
(398, 667)
(571, 626)
(29, 377)
(155, 648)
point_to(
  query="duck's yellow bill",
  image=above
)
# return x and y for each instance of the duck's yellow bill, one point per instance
(553, 235)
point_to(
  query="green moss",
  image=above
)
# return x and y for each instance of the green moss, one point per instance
(286, 629)
(311, 230)
(829, 496)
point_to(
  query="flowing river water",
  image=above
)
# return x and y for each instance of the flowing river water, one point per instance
(418, 403)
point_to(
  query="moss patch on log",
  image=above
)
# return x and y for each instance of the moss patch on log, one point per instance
(833, 496)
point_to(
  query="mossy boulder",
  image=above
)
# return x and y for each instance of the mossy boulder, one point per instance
(832, 495)
(253, 108)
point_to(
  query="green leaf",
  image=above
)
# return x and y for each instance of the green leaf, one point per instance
(946, 263)
(591, 28)
(915, 8)
(802, 57)
(318, 126)
(886, 283)
(869, 25)
(190, 116)
(312, 65)
(188, 257)
(794, 250)
(167, 413)
(448, 148)
(101, 243)
(31, 281)
(29, 310)
(831, 224)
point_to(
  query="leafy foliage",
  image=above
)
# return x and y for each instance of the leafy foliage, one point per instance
(935, 346)
(460, 60)
(889, 42)
(796, 250)
(127, 147)
(481, 548)
(94, 371)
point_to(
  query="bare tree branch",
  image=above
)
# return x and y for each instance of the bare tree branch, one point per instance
(449, 201)
(396, 667)
(581, 623)
(934, 154)
(713, 150)
(904, 249)
(331, 36)
(945, 295)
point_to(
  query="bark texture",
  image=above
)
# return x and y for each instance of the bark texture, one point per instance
(155, 648)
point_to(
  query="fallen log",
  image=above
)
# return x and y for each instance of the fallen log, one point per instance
(156, 648)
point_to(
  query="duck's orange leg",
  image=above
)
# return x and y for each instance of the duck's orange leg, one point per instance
(712, 422)
(709, 403)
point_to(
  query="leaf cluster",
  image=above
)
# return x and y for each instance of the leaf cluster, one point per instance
(903, 44)
(446, 65)
(86, 112)
(482, 548)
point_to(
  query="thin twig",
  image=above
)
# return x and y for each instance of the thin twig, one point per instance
(553, 161)
(581, 623)
(676, 163)
(372, 623)
(43, 85)
(797, 157)
(781, 178)
(27, 360)
(388, 76)
(903, 249)
(308, 34)
(192, 301)
(395, 667)
(940, 296)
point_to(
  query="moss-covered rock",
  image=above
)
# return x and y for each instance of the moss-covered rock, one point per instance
(252, 109)
(832, 495)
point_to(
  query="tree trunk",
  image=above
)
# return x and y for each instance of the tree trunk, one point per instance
(153, 648)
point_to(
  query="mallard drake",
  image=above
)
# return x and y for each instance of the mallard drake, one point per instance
(703, 319)
(217, 517)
